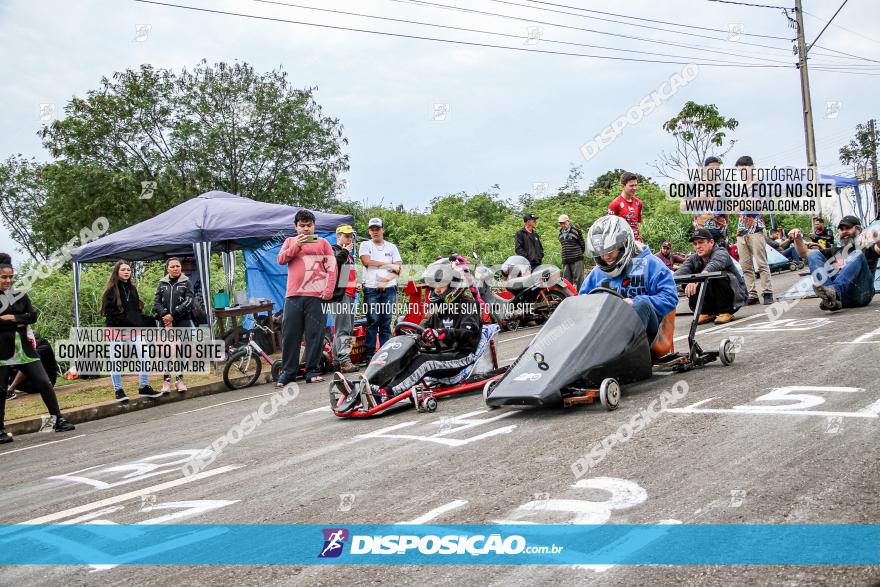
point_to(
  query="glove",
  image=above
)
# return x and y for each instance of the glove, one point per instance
(432, 336)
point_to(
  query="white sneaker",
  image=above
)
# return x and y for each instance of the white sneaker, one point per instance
(181, 387)
(166, 386)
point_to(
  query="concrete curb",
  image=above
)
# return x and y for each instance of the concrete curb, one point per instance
(114, 408)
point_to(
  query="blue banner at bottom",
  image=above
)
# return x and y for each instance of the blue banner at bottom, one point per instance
(197, 544)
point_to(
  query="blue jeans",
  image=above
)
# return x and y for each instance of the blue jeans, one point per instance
(649, 318)
(854, 283)
(379, 308)
(791, 254)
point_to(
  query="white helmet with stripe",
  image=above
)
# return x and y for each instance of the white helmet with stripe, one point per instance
(607, 234)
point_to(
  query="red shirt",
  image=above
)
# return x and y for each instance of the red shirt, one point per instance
(629, 211)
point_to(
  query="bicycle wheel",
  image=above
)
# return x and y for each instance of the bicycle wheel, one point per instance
(242, 369)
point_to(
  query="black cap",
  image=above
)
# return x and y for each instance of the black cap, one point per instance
(702, 233)
(529, 216)
(849, 221)
(711, 159)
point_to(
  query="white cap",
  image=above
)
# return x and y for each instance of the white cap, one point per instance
(374, 222)
(563, 218)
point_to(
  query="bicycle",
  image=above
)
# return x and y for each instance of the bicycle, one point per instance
(245, 363)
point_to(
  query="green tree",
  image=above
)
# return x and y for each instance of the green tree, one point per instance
(860, 152)
(699, 131)
(148, 139)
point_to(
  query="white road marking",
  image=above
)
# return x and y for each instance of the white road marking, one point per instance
(436, 512)
(9, 452)
(719, 327)
(315, 411)
(462, 422)
(224, 403)
(130, 495)
(871, 409)
(765, 411)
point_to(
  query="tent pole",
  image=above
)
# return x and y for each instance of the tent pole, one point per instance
(76, 276)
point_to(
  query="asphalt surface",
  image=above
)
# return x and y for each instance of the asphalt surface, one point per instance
(696, 464)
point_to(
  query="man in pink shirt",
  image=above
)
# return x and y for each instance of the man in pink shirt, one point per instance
(311, 278)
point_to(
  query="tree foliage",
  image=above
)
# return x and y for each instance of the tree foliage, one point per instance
(699, 131)
(148, 139)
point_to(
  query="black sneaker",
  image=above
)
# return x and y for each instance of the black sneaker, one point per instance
(148, 391)
(121, 397)
(62, 425)
(4, 437)
(830, 302)
(751, 301)
(11, 395)
(768, 298)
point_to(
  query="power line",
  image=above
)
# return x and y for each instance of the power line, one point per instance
(450, 41)
(689, 26)
(827, 24)
(852, 32)
(485, 32)
(588, 30)
(752, 5)
(426, 3)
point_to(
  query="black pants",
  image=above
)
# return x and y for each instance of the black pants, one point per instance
(304, 319)
(719, 297)
(39, 381)
(436, 365)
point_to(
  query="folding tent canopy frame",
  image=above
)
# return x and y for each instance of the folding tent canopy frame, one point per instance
(202, 254)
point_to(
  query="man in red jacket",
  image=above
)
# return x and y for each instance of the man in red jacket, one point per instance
(311, 278)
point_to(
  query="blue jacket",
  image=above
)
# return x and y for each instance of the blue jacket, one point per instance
(645, 278)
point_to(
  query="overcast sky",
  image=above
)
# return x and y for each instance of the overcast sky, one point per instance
(511, 117)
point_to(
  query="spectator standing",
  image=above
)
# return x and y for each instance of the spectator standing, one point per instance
(16, 317)
(572, 241)
(853, 264)
(670, 259)
(382, 264)
(342, 305)
(627, 205)
(527, 241)
(725, 295)
(714, 222)
(173, 307)
(122, 308)
(311, 278)
(750, 243)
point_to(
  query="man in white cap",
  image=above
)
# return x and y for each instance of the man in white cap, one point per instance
(382, 263)
(572, 241)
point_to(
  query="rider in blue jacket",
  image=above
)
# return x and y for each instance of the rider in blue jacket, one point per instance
(629, 268)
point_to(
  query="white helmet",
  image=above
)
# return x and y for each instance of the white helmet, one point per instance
(516, 266)
(607, 234)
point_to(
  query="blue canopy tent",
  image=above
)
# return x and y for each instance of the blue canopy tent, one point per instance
(212, 222)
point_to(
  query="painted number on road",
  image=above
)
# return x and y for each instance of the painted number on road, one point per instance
(448, 427)
(116, 475)
(788, 400)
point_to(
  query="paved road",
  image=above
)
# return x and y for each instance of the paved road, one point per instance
(723, 454)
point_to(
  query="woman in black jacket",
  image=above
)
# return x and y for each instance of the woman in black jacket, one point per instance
(16, 316)
(121, 307)
(173, 306)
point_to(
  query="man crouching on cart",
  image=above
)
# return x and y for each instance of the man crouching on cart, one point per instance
(450, 338)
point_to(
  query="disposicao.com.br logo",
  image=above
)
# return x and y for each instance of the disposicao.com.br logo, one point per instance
(449, 544)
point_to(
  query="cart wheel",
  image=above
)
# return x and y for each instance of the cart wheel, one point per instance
(430, 404)
(726, 352)
(488, 389)
(609, 394)
(277, 368)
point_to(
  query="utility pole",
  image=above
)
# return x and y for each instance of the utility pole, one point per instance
(805, 89)
(875, 182)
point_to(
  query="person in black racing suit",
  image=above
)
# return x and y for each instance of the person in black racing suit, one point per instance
(451, 336)
(452, 328)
